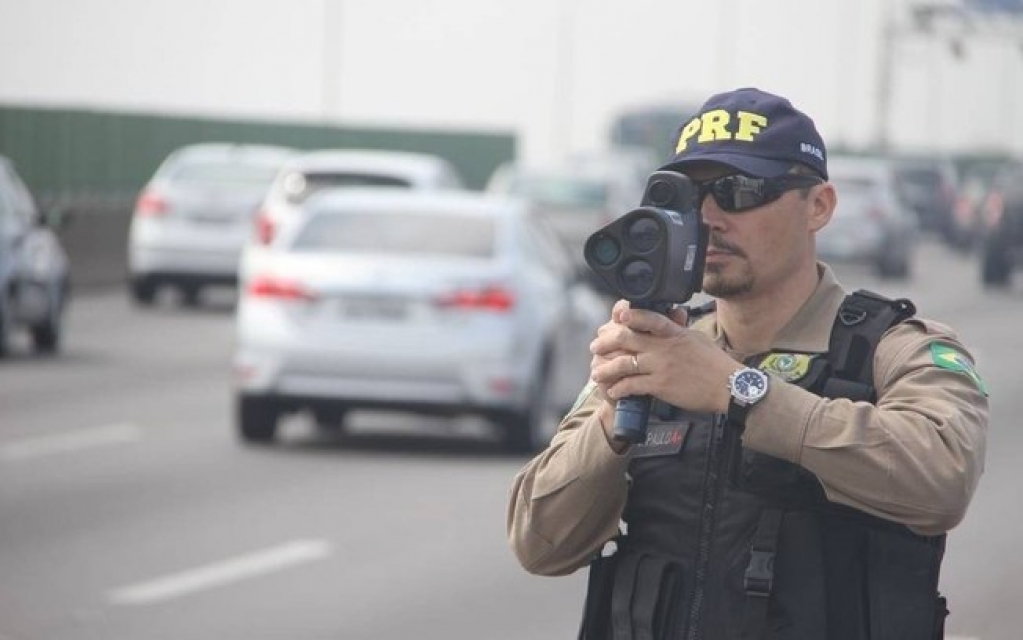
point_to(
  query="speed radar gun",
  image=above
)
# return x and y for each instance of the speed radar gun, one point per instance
(652, 256)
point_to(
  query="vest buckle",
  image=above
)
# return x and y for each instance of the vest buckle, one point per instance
(851, 316)
(759, 576)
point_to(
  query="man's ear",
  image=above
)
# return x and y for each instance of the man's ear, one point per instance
(822, 206)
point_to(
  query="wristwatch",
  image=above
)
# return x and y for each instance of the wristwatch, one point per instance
(747, 386)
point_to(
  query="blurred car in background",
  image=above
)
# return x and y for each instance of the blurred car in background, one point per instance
(1002, 215)
(311, 172)
(575, 198)
(927, 185)
(441, 303)
(195, 214)
(633, 164)
(975, 183)
(870, 224)
(967, 224)
(34, 269)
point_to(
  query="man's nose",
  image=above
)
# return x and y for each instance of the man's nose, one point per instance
(713, 215)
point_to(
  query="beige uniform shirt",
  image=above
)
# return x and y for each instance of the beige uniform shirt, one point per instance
(915, 457)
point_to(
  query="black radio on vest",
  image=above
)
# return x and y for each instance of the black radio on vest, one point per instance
(652, 256)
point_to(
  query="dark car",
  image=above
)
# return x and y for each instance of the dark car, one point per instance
(33, 267)
(1002, 217)
(975, 183)
(927, 185)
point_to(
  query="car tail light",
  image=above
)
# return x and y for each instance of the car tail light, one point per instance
(488, 299)
(962, 209)
(502, 386)
(151, 205)
(265, 228)
(279, 288)
(993, 208)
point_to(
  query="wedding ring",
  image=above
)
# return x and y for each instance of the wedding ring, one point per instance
(635, 365)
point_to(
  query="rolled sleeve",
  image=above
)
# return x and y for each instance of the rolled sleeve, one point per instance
(567, 501)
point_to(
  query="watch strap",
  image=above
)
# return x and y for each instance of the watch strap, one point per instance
(737, 412)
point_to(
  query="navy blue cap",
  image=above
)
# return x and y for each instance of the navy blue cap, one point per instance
(756, 132)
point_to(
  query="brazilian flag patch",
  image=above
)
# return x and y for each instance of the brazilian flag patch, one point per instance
(948, 358)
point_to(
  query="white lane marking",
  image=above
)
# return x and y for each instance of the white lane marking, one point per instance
(221, 573)
(121, 433)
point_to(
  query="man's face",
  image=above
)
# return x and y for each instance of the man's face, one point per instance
(754, 252)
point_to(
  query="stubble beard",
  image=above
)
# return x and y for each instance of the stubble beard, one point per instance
(718, 285)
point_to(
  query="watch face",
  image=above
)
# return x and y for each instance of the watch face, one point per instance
(750, 384)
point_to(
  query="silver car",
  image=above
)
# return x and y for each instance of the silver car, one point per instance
(34, 268)
(432, 302)
(575, 198)
(194, 216)
(314, 171)
(871, 225)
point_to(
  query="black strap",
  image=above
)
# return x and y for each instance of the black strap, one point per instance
(648, 594)
(862, 319)
(859, 324)
(940, 613)
(759, 578)
(621, 596)
(597, 607)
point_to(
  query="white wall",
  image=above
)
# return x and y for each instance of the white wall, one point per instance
(553, 71)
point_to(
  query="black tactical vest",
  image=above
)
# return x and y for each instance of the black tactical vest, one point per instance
(723, 543)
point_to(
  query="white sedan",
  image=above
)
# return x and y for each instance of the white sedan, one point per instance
(313, 171)
(194, 216)
(431, 302)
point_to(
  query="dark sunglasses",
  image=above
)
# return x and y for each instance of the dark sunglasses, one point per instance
(735, 193)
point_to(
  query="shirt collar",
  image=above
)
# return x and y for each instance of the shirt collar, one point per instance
(809, 331)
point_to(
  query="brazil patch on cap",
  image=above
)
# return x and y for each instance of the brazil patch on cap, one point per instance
(948, 358)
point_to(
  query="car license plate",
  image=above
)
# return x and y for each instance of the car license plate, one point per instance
(376, 308)
(207, 218)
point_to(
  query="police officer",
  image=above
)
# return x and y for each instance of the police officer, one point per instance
(808, 449)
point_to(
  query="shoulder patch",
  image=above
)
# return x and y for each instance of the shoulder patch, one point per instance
(946, 357)
(790, 367)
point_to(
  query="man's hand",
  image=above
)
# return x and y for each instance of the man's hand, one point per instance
(642, 352)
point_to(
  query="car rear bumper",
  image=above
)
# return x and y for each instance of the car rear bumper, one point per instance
(481, 383)
(184, 278)
(169, 247)
(216, 265)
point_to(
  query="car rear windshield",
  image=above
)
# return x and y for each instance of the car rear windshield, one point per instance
(438, 234)
(927, 177)
(856, 195)
(853, 186)
(564, 192)
(300, 186)
(224, 172)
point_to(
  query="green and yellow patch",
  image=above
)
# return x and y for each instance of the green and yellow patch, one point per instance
(946, 357)
(790, 367)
